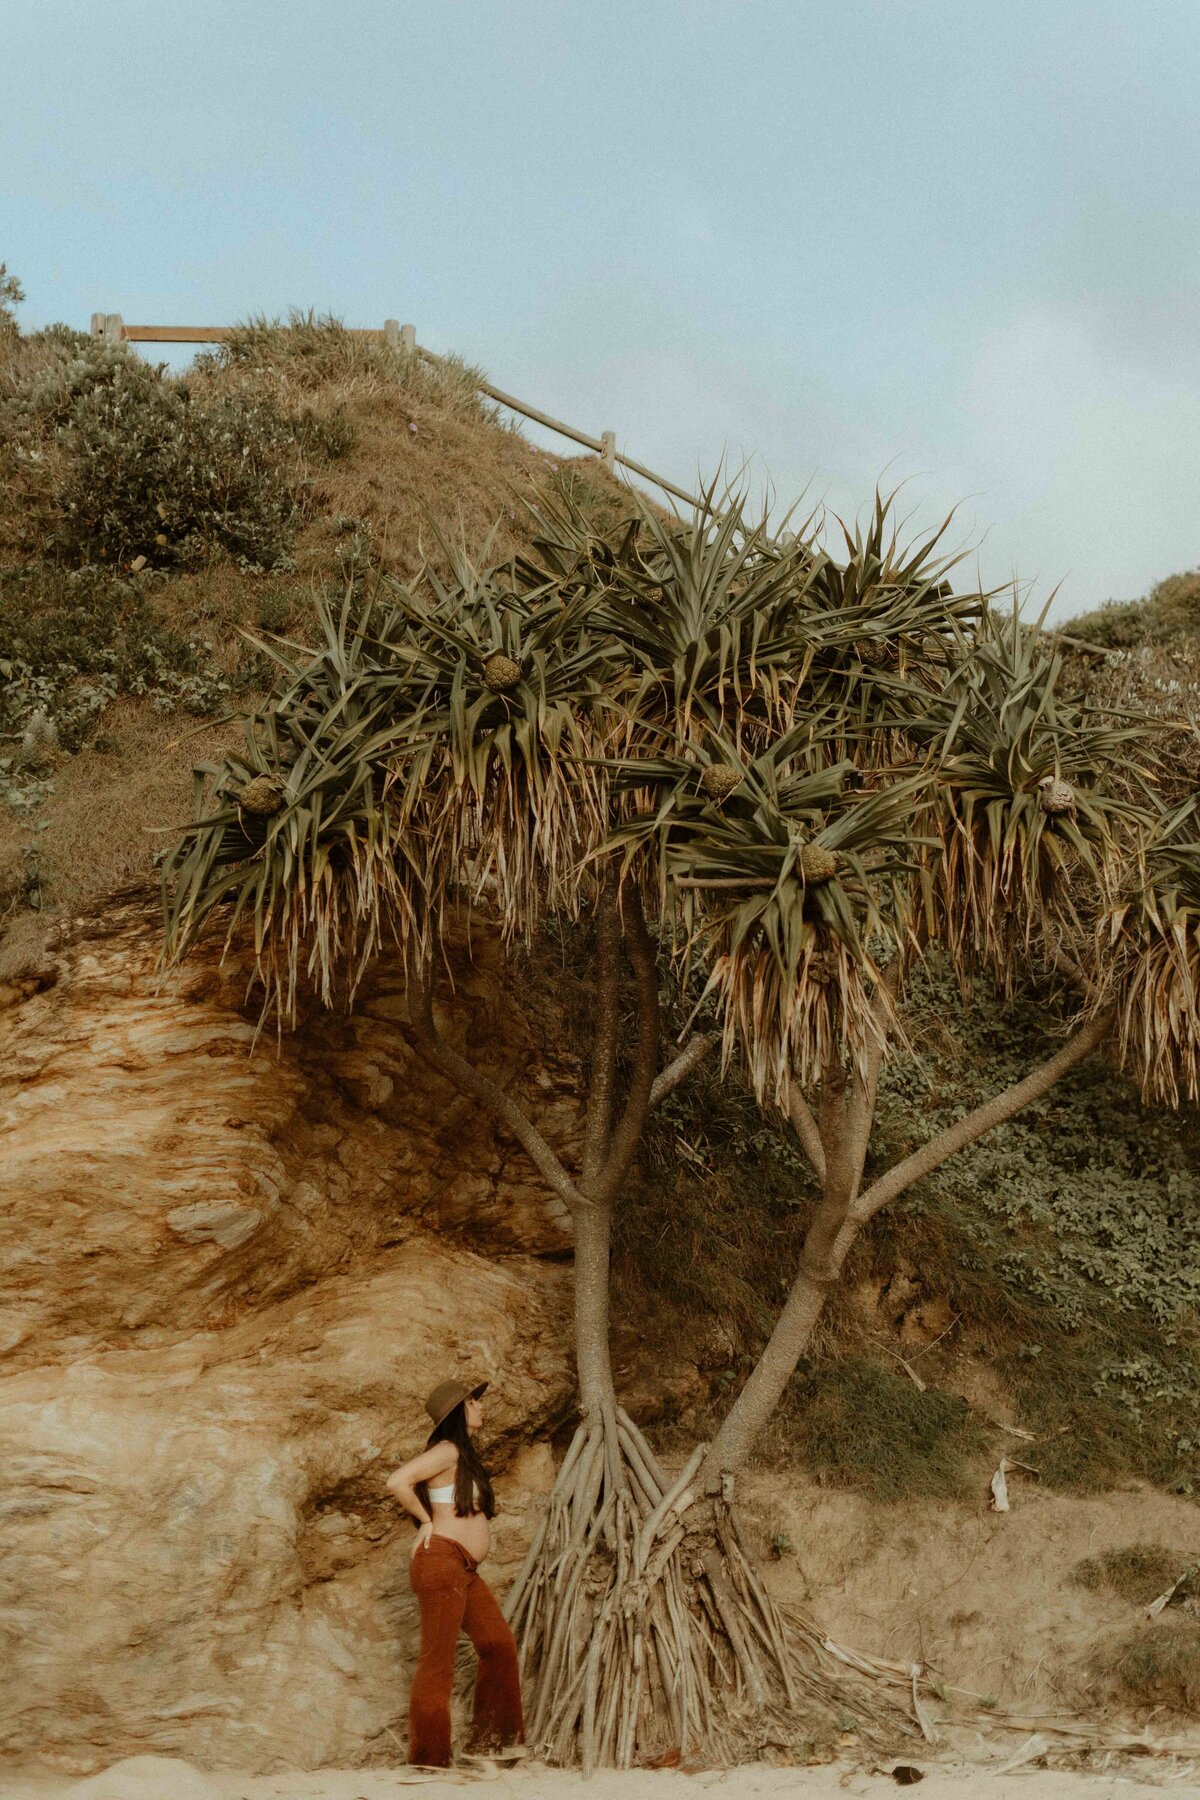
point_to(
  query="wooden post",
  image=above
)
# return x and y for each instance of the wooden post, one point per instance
(98, 322)
(408, 339)
(391, 333)
(608, 449)
(114, 328)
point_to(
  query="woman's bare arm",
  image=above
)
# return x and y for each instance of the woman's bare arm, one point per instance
(402, 1482)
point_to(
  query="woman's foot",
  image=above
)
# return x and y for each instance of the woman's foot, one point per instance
(510, 1754)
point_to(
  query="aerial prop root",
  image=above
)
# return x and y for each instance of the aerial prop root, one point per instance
(644, 1629)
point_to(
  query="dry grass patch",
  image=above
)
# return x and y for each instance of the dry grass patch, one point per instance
(1157, 1665)
(103, 817)
(1138, 1573)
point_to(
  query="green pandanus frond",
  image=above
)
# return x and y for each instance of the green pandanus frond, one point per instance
(1026, 823)
(885, 625)
(504, 782)
(800, 910)
(414, 772)
(669, 785)
(708, 616)
(789, 883)
(1148, 949)
(292, 842)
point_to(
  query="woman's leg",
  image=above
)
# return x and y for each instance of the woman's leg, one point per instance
(497, 1718)
(439, 1579)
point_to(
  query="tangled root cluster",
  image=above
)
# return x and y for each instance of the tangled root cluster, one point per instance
(646, 1634)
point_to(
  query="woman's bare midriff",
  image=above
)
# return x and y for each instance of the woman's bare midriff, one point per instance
(474, 1532)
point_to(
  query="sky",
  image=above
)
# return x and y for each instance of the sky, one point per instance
(947, 245)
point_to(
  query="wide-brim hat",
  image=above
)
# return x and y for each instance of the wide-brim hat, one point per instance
(449, 1394)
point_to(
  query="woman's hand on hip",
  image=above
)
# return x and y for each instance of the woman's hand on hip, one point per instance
(424, 1533)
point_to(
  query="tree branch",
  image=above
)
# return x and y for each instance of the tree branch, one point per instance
(860, 1113)
(983, 1118)
(502, 1107)
(805, 1126)
(832, 1109)
(689, 1058)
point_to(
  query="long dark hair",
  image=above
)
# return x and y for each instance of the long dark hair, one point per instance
(470, 1476)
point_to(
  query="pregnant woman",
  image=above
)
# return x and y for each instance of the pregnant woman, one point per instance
(448, 1492)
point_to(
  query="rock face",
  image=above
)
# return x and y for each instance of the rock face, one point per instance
(229, 1281)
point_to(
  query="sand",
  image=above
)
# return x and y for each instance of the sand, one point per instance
(163, 1778)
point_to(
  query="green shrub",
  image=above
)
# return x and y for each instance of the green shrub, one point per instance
(20, 878)
(1067, 1241)
(274, 609)
(11, 296)
(857, 1424)
(108, 459)
(1170, 611)
(70, 643)
(152, 473)
(60, 367)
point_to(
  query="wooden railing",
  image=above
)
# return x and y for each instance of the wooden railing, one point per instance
(401, 337)
(404, 337)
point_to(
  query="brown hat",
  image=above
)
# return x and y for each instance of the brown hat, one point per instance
(449, 1394)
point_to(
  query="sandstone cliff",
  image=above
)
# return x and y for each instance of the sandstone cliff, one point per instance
(229, 1279)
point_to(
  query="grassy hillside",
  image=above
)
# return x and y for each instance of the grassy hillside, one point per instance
(1047, 1280)
(1168, 617)
(1152, 667)
(148, 522)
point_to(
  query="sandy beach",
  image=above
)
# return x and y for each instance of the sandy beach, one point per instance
(163, 1778)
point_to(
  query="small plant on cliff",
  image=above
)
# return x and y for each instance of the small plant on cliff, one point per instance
(795, 773)
(11, 296)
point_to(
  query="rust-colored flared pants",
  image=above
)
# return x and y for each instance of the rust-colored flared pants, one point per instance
(453, 1597)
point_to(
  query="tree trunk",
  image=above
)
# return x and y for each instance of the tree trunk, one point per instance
(592, 1233)
(775, 1367)
(836, 1144)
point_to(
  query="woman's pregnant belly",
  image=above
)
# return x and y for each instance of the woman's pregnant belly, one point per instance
(474, 1533)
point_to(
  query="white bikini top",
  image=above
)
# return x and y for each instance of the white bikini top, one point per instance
(444, 1496)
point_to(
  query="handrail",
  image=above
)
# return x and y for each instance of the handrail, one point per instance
(402, 337)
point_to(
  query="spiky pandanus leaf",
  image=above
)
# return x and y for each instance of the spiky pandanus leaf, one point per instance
(324, 878)
(666, 785)
(794, 959)
(505, 781)
(1148, 952)
(709, 617)
(797, 963)
(884, 621)
(1008, 865)
(409, 780)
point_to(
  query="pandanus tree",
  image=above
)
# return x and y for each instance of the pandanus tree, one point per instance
(975, 816)
(792, 775)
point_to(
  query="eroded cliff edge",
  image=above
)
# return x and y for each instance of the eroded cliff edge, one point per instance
(229, 1279)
